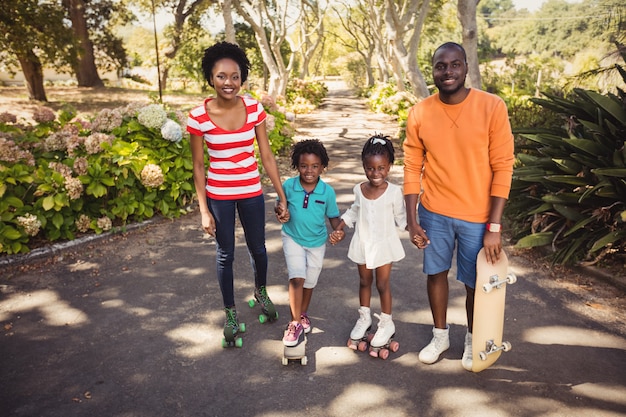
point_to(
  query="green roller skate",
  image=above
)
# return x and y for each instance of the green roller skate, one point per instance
(267, 307)
(231, 328)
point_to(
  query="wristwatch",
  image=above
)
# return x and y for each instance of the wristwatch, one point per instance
(494, 227)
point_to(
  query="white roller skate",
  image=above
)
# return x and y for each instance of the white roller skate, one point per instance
(359, 336)
(383, 341)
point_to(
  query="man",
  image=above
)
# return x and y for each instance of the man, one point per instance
(459, 157)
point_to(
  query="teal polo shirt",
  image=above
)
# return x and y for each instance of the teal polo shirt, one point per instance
(308, 212)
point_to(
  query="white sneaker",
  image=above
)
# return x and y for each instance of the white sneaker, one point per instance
(363, 324)
(386, 329)
(439, 344)
(467, 353)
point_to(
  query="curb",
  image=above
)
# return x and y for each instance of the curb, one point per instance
(56, 248)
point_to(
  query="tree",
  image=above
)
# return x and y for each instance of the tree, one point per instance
(277, 18)
(34, 33)
(356, 23)
(466, 12)
(85, 64)
(182, 12)
(404, 22)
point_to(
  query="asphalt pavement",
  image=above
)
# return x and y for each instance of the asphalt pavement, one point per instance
(131, 325)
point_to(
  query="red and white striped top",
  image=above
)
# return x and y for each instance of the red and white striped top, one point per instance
(233, 172)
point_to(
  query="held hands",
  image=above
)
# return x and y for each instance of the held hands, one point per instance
(282, 213)
(418, 236)
(336, 236)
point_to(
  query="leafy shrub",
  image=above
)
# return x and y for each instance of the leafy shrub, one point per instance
(385, 98)
(304, 96)
(65, 176)
(569, 187)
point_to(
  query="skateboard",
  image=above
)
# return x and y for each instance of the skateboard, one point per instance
(295, 353)
(491, 283)
(382, 352)
(230, 339)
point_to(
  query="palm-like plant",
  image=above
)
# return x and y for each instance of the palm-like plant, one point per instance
(569, 185)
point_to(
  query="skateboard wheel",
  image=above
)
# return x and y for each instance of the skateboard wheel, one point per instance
(487, 288)
(303, 361)
(251, 303)
(362, 346)
(383, 354)
(506, 346)
(285, 361)
(511, 278)
(394, 346)
(483, 356)
(262, 318)
(242, 327)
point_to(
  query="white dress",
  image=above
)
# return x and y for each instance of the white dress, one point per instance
(376, 241)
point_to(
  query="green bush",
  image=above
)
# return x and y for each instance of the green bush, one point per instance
(304, 96)
(569, 185)
(65, 176)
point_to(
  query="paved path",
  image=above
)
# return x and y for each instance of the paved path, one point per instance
(130, 325)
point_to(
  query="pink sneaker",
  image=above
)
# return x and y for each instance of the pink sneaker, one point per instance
(306, 322)
(294, 334)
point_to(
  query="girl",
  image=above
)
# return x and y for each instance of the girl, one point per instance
(229, 125)
(378, 207)
(310, 201)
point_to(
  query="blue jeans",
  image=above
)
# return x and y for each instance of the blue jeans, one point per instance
(252, 216)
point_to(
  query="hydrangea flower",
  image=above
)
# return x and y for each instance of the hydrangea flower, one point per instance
(43, 115)
(152, 176)
(30, 223)
(107, 120)
(152, 116)
(104, 223)
(94, 141)
(74, 188)
(80, 165)
(10, 152)
(7, 117)
(82, 223)
(171, 131)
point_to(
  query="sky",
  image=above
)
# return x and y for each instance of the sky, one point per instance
(531, 5)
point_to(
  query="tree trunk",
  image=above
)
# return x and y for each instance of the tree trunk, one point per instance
(85, 67)
(466, 12)
(227, 14)
(33, 74)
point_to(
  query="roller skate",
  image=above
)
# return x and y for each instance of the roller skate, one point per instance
(231, 328)
(360, 336)
(383, 341)
(267, 307)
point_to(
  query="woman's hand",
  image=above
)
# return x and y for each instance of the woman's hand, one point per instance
(282, 213)
(208, 223)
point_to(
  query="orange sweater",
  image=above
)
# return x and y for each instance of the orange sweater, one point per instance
(466, 151)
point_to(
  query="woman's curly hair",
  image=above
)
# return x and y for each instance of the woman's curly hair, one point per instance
(223, 50)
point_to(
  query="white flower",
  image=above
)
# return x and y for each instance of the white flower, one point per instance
(82, 223)
(104, 223)
(30, 223)
(152, 176)
(171, 131)
(152, 116)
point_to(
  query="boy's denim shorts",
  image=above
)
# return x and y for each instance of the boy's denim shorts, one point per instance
(444, 232)
(303, 262)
